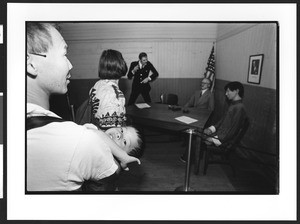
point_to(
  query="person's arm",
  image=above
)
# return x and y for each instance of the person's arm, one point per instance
(154, 74)
(132, 70)
(191, 101)
(233, 121)
(92, 158)
(119, 153)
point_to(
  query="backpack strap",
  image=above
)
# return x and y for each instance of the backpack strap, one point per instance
(39, 121)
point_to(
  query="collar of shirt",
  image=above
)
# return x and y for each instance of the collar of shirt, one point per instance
(203, 91)
(235, 102)
(140, 65)
(36, 110)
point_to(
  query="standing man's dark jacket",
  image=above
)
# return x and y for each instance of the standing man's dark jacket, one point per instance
(141, 88)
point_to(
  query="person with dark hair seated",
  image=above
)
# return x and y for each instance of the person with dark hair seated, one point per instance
(232, 120)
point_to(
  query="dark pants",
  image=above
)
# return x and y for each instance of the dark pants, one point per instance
(144, 90)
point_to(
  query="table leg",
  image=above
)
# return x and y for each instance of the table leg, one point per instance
(197, 155)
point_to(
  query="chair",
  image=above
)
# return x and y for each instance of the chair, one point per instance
(169, 98)
(225, 150)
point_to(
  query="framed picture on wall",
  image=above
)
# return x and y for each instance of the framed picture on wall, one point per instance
(255, 68)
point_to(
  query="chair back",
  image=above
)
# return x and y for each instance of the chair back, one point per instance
(169, 98)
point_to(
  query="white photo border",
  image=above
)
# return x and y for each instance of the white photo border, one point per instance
(148, 207)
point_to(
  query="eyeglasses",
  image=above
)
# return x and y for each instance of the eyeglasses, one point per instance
(42, 55)
(205, 83)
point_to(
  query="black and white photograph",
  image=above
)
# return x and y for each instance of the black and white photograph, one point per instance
(107, 70)
(139, 112)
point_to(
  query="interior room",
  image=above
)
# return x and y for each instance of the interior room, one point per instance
(181, 53)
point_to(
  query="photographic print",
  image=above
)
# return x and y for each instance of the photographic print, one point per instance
(255, 68)
(84, 140)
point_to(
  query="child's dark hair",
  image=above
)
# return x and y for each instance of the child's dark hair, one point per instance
(111, 65)
(234, 86)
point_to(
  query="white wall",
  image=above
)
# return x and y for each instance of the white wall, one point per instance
(172, 59)
(232, 59)
(177, 50)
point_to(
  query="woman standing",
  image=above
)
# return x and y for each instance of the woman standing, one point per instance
(107, 100)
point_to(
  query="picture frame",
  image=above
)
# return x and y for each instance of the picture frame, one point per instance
(255, 68)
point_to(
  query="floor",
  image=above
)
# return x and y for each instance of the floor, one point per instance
(161, 171)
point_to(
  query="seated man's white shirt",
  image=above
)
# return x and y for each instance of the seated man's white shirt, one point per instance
(203, 91)
(61, 155)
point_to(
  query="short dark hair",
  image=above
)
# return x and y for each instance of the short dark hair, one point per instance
(111, 65)
(234, 86)
(38, 36)
(141, 55)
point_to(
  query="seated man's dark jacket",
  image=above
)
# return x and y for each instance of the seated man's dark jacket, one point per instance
(231, 121)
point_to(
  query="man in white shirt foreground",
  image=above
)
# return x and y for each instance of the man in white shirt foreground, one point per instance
(60, 155)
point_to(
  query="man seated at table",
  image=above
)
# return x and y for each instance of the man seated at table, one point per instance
(231, 121)
(203, 98)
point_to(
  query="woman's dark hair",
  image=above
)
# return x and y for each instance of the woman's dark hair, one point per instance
(234, 86)
(112, 65)
(141, 55)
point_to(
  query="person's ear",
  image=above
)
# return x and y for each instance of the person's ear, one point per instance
(31, 66)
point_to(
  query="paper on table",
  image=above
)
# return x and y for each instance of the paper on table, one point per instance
(186, 119)
(142, 105)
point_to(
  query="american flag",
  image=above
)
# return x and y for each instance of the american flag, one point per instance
(210, 69)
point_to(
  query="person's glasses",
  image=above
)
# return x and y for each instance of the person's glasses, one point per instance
(42, 55)
(205, 83)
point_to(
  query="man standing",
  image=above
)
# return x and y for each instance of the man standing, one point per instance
(61, 155)
(143, 72)
(202, 99)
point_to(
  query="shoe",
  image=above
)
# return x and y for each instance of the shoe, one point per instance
(182, 159)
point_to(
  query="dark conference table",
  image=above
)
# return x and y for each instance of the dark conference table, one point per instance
(160, 116)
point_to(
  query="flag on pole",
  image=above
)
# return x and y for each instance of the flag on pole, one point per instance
(210, 69)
